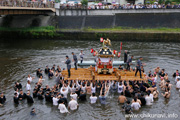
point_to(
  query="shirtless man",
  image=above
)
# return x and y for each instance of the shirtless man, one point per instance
(157, 70)
(168, 84)
(155, 93)
(88, 88)
(167, 93)
(162, 83)
(122, 98)
(151, 89)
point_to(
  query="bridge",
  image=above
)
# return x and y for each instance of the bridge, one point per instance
(25, 7)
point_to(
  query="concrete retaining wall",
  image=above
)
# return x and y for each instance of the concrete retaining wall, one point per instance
(23, 21)
(134, 20)
(81, 12)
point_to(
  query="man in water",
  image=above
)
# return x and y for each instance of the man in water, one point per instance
(28, 86)
(167, 93)
(16, 99)
(17, 85)
(82, 96)
(93, 98)
(68, 62)
(138, 66)
(176, 73)
(73, 105)
(47, 69)
(135, 105)
(74, 96)
(2, 99)
(148, 99)
(63, 108)
(178, 83)
(29, 98)
(127, 107)
(30, 78)
(162, 74)
(33, 112)
(122, 98)
(81, 55)
(142, 99)
(129, 63)
(75, 60)
(155, 93)
(22, 95)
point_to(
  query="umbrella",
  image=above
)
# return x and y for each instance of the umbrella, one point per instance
(117, 3)
(62, 2)
(108, 3)
(99, 3)
(148, 2)
(95, 4)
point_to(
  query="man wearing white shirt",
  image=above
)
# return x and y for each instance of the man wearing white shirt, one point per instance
(151, 95)
(62, 108)
(64, 92)
(93, 98)
(74, 96)
(178, 83)
(135, 105)
(177, 77)
(28, 86)
(30, 78)
(81, 56)
(73, 104)
(148, 99)
(55, 101)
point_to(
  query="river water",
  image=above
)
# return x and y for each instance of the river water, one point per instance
(20, 58)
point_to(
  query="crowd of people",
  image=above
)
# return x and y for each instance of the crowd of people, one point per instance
(135, 6)
(133, 94)
(78, 5)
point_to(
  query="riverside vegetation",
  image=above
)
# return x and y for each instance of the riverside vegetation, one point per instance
(51, 32)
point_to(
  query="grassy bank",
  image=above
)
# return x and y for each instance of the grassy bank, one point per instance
(52, 29)
(118, 34)
(30, 29)
(115, 29)
(128, 30)
(32, 32)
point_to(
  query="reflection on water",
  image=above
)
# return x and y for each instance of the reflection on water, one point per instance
(19, 58)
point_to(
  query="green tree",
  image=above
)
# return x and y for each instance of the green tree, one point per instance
(84, 2)
(160, 1)
(167, 2)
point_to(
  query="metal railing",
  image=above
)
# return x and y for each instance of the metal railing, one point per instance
(25, 3)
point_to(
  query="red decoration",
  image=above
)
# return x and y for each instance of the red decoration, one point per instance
(110, 62)
(119, 54)
(99, 61)
(114, 51)
(92, 50)
(94, 54)
(109, 66)
(121, 46)
(101, 39)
